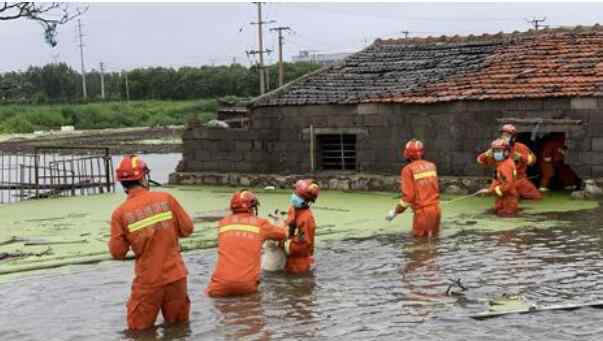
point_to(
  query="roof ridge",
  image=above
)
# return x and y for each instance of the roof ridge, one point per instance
(491, 38)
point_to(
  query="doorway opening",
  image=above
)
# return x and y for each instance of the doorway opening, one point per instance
(550, 170)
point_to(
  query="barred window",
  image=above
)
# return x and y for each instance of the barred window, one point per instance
(337, 151)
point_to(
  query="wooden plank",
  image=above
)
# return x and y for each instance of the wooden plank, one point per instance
(535, 308)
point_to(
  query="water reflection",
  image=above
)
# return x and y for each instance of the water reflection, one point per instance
(242, 318)
(422, 282)
(178, 331)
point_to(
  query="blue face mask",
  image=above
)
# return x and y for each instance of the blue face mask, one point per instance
(499, 155)
(297, 201)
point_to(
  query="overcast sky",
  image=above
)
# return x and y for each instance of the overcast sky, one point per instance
(125, 36)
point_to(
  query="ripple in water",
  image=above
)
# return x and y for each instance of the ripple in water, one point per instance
(388, 288)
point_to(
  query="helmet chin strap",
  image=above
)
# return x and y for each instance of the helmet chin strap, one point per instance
(145, 182)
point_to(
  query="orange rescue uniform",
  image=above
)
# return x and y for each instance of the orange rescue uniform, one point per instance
(150, 223)
(238, 268)
(420, 190)
(504, 186)
(300, 246)
(552, 161)
(524, 158)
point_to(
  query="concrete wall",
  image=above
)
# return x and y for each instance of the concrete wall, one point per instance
(454, 134)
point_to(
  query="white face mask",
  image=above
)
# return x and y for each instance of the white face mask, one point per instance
(499, 155)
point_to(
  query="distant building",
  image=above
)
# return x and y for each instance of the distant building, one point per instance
(320, 57)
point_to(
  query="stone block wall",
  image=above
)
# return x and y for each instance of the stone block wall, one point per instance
(326, 181)
(454, 134)
(219, 149)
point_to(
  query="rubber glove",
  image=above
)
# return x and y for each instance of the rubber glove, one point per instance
(483, 191)
(391, 215)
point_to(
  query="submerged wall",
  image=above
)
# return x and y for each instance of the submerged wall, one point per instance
(278, 141)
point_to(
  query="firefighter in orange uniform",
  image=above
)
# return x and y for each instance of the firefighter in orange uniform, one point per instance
(523, 157)
(150, 223)
(504, 186)
(420, 191)
(552, 162)
(302, 227)
(240, 238)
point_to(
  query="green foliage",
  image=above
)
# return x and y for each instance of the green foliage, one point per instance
(59, 83)
(26, 118)
(17, 124)
(36, 98)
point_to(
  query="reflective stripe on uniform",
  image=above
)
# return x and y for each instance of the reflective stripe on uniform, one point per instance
(424, 175)
(152, 220)
(498, 191)
(240, 228)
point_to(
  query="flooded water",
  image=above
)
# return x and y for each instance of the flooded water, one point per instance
(385, 288)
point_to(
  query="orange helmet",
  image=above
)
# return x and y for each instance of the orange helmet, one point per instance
(307, 189)
(131, 168)
(243, 201)
(500, 144)
(509, 128)
(413, 150)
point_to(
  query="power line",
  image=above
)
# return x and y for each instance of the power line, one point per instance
(281, 67)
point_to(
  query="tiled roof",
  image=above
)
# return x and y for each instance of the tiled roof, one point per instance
(428, 70)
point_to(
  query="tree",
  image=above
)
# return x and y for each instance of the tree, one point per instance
(49, 15)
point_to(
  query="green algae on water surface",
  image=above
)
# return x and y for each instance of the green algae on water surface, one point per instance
(77, 229)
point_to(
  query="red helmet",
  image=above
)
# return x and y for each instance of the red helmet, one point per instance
(500, 144)
(509, 128)
(413, 150)
(131, 168)
(307, 189)
(243, 201)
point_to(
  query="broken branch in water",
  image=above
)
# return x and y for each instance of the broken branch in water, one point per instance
(8, 255)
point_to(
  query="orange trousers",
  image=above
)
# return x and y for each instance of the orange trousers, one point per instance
(527, 190)
(171, 299)
(296, 265)
(226, 289)
(507, 205)
(566, 175)
(426, 221)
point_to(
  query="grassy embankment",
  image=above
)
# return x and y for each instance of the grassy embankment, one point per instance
(152, 113)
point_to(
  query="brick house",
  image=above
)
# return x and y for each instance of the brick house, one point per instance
(452, 92)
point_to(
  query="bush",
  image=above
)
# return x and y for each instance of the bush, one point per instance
(18, 124)
(104, 115)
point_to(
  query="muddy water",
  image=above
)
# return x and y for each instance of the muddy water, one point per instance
(385, 288)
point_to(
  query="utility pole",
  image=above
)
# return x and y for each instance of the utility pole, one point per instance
(281, 66)
(267, 75)
(536, 22)
(127, 87)
(81, 36)
(260, 49)
(102, 77)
